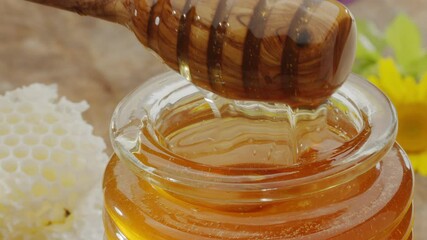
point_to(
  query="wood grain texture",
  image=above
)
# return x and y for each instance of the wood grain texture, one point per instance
(317, 48)
(297, 52)
(110, 10)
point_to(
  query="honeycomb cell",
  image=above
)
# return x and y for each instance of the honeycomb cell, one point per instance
(4, 152)
(13, 118)
(59, 156)
(40, 129)
(33, 118)
(40, 153)
(49, 174)
(21, 129)
(39, 189)
(50, 118)
(21, 151)
(30, 168)
(6, 108)
(4, 130)
(9, 166)
(55, 191)
(68, 144)
(50, 140)
(31, 139)
(12, 140)
(59, 130)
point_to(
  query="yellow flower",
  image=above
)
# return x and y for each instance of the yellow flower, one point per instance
(410, 99)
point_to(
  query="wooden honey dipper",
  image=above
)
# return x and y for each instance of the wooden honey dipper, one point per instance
(291, 51)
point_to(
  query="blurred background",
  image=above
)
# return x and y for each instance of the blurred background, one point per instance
(101, 62)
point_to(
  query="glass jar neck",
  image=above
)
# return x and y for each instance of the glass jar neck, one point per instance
(242, 154)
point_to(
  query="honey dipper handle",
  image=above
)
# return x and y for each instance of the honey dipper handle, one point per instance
(297, 52)
(110, 10)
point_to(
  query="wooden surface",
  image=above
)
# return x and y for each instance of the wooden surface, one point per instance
(101, 62)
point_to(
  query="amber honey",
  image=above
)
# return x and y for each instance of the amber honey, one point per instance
(191, 165)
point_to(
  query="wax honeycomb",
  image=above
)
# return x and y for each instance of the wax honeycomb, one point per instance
(50, 162)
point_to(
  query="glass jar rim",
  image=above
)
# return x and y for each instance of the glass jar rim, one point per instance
(380, 113)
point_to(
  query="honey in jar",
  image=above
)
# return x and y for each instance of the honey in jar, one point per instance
(277, 154)
(193, 165)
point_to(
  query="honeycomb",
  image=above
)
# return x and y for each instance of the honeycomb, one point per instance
(50, 164)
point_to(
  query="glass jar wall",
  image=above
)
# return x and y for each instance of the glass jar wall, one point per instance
(192, 165)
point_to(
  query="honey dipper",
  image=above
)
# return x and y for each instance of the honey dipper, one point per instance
(291, 51)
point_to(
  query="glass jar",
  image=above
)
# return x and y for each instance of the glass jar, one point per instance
(192, 165)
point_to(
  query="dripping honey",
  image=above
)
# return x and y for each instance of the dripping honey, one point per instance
(271, 176)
